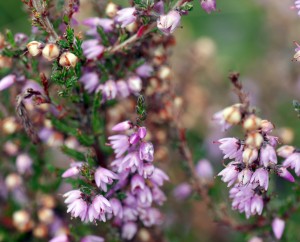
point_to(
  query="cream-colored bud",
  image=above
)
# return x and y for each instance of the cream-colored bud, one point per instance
(40, 231)
(50, 52)
(254, 140)
(144, 235)
(13, 181)
(132, 28)
(249, 155)
(297, 56)
(9, 125)
(164, 72)
(22, 220)
(111, 10)
(232, 114)
(266, 126)
(68, 59)
(286, 135)
(285, 151)
(34, 48)
(46, 215)
(252, 123)
(47, 201)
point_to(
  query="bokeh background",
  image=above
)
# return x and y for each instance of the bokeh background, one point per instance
(253, 37)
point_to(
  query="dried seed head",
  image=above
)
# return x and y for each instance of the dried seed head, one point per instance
(50, 52)
(68, 59)
(232, 114)
(34, 48)
(254, 140)
(252, 123)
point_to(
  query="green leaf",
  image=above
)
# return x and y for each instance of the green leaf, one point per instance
(86, 140)
(63, 44)
(96, 119)
(10, 38)
(73, 153)
(187, 6)
(70, 35)
(103, 36)
(63, 126)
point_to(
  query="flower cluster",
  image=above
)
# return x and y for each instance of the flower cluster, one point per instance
(132, 174)
(252, 160)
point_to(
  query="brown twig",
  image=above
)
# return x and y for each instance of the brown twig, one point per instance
(238, 89)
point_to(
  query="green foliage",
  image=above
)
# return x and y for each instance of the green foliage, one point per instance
(187, 6)
(10, 38)
(103, 35)
(141, 109)
(143, 4)
(77, 155)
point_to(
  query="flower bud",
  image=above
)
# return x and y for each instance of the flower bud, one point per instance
(142, 132)
(40, 231)
(7, 82)
(284, 173)
(135, 84)
(23, 163)
(123, 126)
(22, 220)
(132, 28)
(13, 181)
(232, 114)
(68, 59)
(254, 140)
(252, 123)
(111, 9)
(146, 151)
(47, 201)
(278, 227)
(249, 155)
(46, 215)
(169, 22)
(50, 52)
(285, 151)
(34, 48)
(266, 126)
(9, 125)
(164, 73)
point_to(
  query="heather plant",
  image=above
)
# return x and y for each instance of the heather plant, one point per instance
(90, 115)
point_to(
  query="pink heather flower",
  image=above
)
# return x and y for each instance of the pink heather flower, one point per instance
(104, 177)
(267, 155)
(169, 22)
(20, 38)
(273, 140)
(144, 197)
(285, 151)
(257, 205)
(105, 23)
(219, 118)
(147, 151)
(92, 49)
(7, 81)
(132, 162)
(182, 191)
(144, 70)
(148, 170)
(208, 5)
(60, 238)
(297, 6)
(117, 208)
(159, 7)
(126, 16)
(204, 170)
(134, 138)
(90, 81)
(278, 227)
(261, 176)
(151, 216)
(158, 195)
(231, 148)
(109, 90)
(102, 206)
(158, 177)
(130, 213)
(245, 176)
(92, 238)
(129, 230)
(284, 173)
(120, 144)
(73, 170)
(123, 89)
(71, 196)
(229, 174)
(134, 84)
(23, 163)
(137, 183)
(142, 132)
(293, 161)
(123, 126)
(78, 208)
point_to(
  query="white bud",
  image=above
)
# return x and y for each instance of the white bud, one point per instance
(232, 114)
(9, 125)
(68, 59)
(13, 181)
(111, 9)
(22, 220)
(34, 48)
(254, 140)
(285, 151)
(50, 52)
(252, 123)
(46, 215)
(249, 155)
